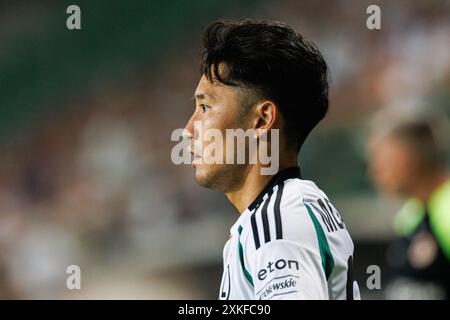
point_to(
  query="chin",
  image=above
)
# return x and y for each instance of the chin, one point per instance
(203, 177)
(210, 177)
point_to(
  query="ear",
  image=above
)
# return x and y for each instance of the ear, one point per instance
(266, 115)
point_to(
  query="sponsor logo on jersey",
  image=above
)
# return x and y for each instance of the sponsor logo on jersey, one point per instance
(279, 286)
(280, 264)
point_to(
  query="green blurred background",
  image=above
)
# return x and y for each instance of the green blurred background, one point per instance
(85, 123)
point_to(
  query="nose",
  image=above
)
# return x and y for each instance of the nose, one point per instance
(188, 132)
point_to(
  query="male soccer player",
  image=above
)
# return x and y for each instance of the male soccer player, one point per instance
(289, 241)
(408, 159)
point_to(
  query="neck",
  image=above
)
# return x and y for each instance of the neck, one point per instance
(253, 183)
(428, 185)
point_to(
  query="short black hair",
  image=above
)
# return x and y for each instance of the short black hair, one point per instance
(275, 61)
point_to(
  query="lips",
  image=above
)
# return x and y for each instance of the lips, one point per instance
(196, 158)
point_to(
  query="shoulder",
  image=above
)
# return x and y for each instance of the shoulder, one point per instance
(297, 218)
(282, 215)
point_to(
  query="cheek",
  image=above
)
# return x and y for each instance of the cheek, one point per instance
(395, 176)
(382, 167)
(395, 168)
(208, 144)
(216, 119)
(381, 163)
(223, 120)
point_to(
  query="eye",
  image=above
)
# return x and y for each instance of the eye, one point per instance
(204, 107)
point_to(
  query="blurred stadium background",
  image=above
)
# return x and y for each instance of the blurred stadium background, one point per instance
(85, 123)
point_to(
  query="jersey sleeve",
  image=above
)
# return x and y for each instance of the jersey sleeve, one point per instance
(285, 269)
(290, 266)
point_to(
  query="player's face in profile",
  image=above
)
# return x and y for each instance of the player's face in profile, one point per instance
(393, 166)
(217, 106)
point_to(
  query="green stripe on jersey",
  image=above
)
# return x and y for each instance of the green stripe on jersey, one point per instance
(324, 248)
(241, 258)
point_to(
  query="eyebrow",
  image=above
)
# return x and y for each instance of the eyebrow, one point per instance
(202, 96)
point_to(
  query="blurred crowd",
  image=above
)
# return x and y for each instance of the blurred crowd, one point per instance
(93, 184)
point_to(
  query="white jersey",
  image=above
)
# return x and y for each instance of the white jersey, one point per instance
(290, 243)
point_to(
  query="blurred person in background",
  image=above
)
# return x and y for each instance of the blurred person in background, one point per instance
(409, 160)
